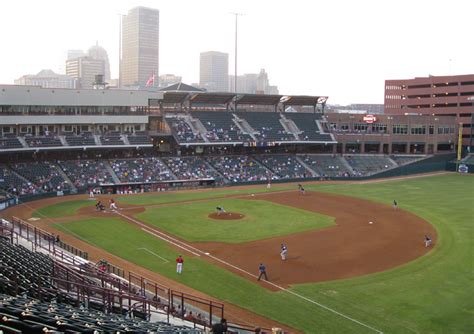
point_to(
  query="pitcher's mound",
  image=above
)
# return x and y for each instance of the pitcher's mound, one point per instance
(226, 215)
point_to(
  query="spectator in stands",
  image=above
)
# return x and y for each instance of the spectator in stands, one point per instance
(220, 327)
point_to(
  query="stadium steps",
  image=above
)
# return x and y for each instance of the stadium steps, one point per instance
(63, 141)
(22, 141)
(65, 177)
(194, 127)
(394, 164)
(244, 126)
(309, 169)
(111, 172)
(215, 170)
(290, 126)
(197, 126)
(347, 165)
(125, 139)
(268, 169)
(97, 140)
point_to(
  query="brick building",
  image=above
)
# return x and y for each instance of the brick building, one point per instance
(434, 95)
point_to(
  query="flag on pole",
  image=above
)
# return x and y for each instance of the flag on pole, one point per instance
(151, 81)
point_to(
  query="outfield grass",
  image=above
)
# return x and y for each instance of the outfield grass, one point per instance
(433, 294)
(62, 209)
(177, 196)
(262, 220)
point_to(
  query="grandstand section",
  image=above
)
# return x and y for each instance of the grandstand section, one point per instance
(44, 175)
(86, 173)
(328, 165)
(190, 168)
(141, 170)
(285, 166)
(240, 168)
(369, 164)
(267, 127)
(221, 127)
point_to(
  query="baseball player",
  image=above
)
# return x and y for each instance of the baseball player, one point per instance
(428, 241)
(394, 204)
(269, 183)
(113, 206)
(301, 189)
(179, 264)
(91, 193)
(263, 272)
(283, 251)
(220, 210)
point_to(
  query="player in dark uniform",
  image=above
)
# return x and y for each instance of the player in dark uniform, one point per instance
(428, 241)
(394, 204)
(263, 272)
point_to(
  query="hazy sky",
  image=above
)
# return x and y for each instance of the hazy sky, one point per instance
(343, 49)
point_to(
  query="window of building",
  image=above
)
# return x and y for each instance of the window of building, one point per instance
(344, 126)
(418, 129)
(381, 128)
(431, 130)
(360, 126)
(68, 128)
(400, 129)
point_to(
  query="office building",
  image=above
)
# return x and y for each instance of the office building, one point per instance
(214, 71)
(140, 48)
(84, 70)
(47, 79)
(434, 95)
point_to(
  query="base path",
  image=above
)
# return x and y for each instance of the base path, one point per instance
(352, 247)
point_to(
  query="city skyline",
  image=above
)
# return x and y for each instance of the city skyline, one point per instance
(344, 50)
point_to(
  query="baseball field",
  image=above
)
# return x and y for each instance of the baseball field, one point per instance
(342, 275)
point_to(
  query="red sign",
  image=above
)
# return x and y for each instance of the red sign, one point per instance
(370, 119)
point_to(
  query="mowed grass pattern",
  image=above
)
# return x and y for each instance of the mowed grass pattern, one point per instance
(63, 209)
(433, 294)
(262, 220)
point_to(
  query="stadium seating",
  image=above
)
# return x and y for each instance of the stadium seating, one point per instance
(29, 315)
(368, 164)
(141, 170)
(239, 168)
(86, 173)
(15, 185)
(306, 123)
(85, 139)
(182, 131)
(404, 159)
(113, 138)
(10, 143)
(268, 126)
(139, 138)
(30, 302)
(190, 168)
(285, 166)
(43, 141)
(327, 165)
(469, 159)
(220, 127)
(42, 174)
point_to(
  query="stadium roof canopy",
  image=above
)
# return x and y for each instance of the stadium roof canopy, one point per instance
(181, 87)
(212, 98)
(174, 97)
(303, 100)
(258, 99)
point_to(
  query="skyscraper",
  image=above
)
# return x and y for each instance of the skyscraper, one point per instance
(98, 52)
(84, 70)
(140, 46)
(214, 71)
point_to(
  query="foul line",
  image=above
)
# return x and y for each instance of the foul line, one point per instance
(242, 270)
(161, 235)
(153, 253)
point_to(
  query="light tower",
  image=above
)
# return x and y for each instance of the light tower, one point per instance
(235, 55)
